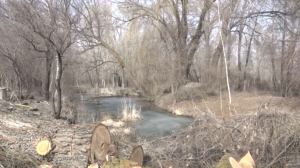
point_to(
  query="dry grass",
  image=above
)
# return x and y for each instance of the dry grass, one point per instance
(128, 131)
(272, 136)
(242, 103)
(111, 123)
(107, 91)
(108, 122)
(130, 112)
(110, 91)
(118, 124)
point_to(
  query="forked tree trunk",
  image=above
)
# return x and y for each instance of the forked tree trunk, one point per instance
(248, 57)
(219, 49)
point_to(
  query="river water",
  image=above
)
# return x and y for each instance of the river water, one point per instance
(154, 122)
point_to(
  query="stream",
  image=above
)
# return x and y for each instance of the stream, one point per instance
(154, 122)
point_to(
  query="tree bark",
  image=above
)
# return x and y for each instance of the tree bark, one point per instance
(19, 83)
(48, 74)
(248, 56)
(90, 78)
(283, 61)
(194, 43)
(229, 52)
(56, 99)
(219, 49)
(123, 82)
(274, 78)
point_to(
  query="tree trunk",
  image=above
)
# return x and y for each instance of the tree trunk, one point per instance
(113, 80)
(90, 79)
(248, 57)
(123, 82)
(229, 53)
(56, 99)
(208, 56)
(18, 76)
(239, 57)
(223, 34)
(283, 60)
(194, 43)
(48, 75)
(274, 79)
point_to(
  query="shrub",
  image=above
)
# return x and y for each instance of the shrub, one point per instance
(272, 136)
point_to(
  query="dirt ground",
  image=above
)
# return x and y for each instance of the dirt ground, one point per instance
(21, 129)
(242, 103)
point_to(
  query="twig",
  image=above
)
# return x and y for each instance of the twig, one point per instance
(275, 160)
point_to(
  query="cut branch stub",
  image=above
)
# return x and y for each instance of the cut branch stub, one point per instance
(137, 155)
(100, 143)
(43, 147)
(234, 163)
(94, 165)
(245, 162)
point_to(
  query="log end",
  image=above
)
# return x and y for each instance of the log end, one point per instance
(43, 147)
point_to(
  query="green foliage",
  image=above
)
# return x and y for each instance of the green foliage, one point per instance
(224, 162)
(120, 163)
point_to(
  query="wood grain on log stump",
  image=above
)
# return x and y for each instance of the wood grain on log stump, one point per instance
(137, 155)
(71, 147)
(43, 147)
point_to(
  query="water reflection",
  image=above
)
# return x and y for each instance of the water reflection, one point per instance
(154, 123)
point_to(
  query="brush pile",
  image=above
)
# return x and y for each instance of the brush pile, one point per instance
(271, 135)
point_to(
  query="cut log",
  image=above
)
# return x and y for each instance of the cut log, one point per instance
(71, 147)
(137, 155)
(100, 143)
(94, 165)
(43, 147)
(121, 163)
(234, 163)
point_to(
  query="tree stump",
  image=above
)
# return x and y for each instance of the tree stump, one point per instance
(3, 94)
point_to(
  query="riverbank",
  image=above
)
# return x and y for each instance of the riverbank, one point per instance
(242, 103)
(108, 91)
(25, 123)
(21, 129)
(268, 132)
(194, 99)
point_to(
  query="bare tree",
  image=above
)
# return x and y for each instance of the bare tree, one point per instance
(92, 27)
(51, 21)
(224, 31)
(173, 18)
